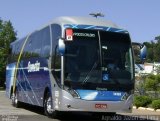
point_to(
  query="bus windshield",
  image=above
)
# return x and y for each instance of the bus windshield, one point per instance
(102, 61)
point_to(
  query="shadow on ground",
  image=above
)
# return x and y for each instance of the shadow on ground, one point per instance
(80, 116)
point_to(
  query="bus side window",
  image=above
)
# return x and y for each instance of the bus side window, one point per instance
(36, 45)
(56, 63)
(46, 44)
(56, 58)
(127, 62)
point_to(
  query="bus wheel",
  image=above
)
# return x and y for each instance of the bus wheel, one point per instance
(48, 111)
(15, 101)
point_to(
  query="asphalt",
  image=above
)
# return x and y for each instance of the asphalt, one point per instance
(33, 113)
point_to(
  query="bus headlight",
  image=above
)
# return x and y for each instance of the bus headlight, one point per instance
(73, 93)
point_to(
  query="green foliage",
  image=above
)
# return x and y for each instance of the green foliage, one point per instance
(157, 69)
(151, 76)
(156, 104)
(7, 35)
(151, 86)
(142, 101)
(139, 85)
(157, 38)
(152, 83)
(153, 48)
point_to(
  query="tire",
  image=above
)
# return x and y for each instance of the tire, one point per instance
(15, 101)
(48, 111)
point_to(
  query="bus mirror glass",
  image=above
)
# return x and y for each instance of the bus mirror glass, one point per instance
(140, 51)
(143, 52)
(61, 46)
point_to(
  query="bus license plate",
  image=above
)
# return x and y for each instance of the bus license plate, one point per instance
(101, 106)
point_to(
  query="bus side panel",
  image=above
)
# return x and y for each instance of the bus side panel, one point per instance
(10, 71)
(33, 78)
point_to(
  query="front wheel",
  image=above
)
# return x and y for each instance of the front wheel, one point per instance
(48, 111)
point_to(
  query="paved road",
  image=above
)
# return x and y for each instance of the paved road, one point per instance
(31, 113)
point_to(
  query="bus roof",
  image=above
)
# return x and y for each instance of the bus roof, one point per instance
(78, 20)
(84, 20)
(75, 20)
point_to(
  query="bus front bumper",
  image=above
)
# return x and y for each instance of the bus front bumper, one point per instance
(65, 102)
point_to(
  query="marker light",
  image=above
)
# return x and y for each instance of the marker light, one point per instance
(69, 34)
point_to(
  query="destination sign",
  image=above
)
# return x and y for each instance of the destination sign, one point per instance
(84, 34)
(78, 34)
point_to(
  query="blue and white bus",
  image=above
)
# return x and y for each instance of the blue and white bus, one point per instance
(74, 64)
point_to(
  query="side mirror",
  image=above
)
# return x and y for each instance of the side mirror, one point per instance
(143, 52)
(61, 46)
(140, 50)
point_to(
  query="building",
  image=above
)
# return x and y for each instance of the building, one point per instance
(151, 68)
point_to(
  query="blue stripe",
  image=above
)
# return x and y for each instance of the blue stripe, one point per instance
(108, 29)
(96, 95)
(89, 27)
(92, 27)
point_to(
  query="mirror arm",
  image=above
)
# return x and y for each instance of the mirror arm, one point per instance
(61, 46)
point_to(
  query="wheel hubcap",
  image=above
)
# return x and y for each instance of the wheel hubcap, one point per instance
(49, 107)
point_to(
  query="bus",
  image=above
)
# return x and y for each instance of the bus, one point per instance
(73, 64)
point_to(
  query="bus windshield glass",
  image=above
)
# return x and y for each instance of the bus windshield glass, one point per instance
(99, 60)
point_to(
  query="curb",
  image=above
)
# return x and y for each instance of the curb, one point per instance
(134, 107)
(158, 110)
(149, 109)
(142, 108)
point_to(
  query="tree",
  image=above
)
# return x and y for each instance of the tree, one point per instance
(153, 52)
(157, 69)
(150, 51)
(157, 38)
(7, 35)
(140, 85)
(152, 83)
(157, 52)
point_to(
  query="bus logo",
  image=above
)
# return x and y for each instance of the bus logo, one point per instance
(33, 67)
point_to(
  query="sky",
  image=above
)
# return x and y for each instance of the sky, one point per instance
(140, 17)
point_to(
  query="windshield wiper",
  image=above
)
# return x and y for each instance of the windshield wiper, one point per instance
(89, 73)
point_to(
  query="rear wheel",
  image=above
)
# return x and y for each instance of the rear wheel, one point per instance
(48, 110)
(15, 101)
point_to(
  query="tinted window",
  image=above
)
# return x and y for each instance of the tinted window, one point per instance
(27, 52)
(56, 60)
(56, 33)
(16, 48)
(44, 36)
(38, 44)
